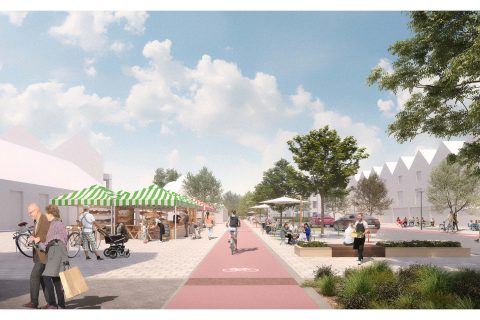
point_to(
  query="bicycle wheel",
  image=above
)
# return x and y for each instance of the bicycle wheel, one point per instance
(22, 245)
(73, 244)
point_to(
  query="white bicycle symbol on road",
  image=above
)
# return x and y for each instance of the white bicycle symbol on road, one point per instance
(240, 270)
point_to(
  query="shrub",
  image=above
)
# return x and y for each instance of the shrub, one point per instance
(419, 243)
(322, 271)
(310, 284)
(357, 290)
(433, 282)
(466, 283)
(464, 303)
(327, 285)
(312, 244)
(406, 301)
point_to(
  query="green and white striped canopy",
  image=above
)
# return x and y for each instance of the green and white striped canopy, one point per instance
(94, 195)
(153, 195)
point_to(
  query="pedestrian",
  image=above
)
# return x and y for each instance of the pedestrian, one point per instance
(348, 239)
(308, 231)
(87, 222)
(144, 228)
(55, 246)
(186, 220)
(209, 223)
(40, 230)
(161, 227)
(233, 224)
(455, 221)
(360, 228)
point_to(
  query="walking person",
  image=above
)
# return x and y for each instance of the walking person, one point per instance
(233, 224)
(308, 231)
(360, 228)
(40, 230)
(209, 222)
(186, 221)
(87, 222)
(161, 227)
(55, 246)
(455, 221)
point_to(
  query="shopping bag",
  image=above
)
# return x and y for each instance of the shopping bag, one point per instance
(73, 282)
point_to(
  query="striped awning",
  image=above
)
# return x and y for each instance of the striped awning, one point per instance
(153, 195)
(205, 206)
(94, 195)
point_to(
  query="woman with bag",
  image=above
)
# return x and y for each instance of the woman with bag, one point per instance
(56, 249)
(209, 222)
(360, 228)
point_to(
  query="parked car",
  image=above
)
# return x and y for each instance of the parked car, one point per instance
(342, 223)
(327, 220)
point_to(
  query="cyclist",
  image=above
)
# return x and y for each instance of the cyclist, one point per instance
(233, 223)
(86, 222)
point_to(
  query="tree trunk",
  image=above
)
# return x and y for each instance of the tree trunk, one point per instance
(322, 214)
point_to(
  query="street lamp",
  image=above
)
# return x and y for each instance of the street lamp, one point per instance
(421, 209)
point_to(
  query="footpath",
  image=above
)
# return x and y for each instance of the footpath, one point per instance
(252, 278)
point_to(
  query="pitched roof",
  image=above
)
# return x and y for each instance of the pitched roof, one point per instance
(377, 170)
(407, 161)
(391, 166)
(428, 154)
(453, 146)
(21, 136)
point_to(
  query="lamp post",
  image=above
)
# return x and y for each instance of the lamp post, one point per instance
(421, 209)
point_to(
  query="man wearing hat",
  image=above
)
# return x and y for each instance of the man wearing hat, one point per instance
(87, 221)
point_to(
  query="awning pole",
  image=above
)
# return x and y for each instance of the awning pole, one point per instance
(175, 222)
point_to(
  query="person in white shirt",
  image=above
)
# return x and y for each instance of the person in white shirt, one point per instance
(348, 240)
(360, 227)
(87, 221)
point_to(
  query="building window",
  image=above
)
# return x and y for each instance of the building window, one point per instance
(399, 179)
(314, 205)
(400, 197)
(419, 176)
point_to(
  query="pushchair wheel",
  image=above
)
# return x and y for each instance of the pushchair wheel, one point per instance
(113, 254)
(127, 253)
(106, 252)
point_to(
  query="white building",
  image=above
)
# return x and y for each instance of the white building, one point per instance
(29, 172)
(407, 180)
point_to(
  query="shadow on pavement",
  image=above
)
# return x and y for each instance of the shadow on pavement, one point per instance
(242, 250)
(89, 302)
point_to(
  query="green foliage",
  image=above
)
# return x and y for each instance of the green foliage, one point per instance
(465, 303)
(246, 202)
(203, 186)
(440, 67)
(371, 195)
(419, 243)
(337, 201)
(465, 284)
(322, 271)
(232, 201)
(312, 244)
(453, 186)
(357, 290)
(310, 284)
(327, 285)
(329, 160)
(164, 176)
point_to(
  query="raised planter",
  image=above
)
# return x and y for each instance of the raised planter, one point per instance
(313, 251)
(426, 252)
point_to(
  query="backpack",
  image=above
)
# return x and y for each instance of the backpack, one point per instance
(234, 221)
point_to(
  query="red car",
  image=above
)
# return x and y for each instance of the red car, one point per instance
(327, 220)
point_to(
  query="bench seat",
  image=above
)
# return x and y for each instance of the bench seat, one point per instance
(340, 250)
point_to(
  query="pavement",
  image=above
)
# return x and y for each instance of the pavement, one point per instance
(252, 278)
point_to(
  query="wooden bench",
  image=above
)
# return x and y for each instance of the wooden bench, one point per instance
(340, 250)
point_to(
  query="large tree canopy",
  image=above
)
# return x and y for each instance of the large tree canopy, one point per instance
(371, 195)
(164, 176)
(203, 186)
(328, 160)
(440, 67)
(231, 200)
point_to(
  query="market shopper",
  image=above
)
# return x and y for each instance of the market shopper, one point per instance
(209, 222)
(360, 228)
(161, 227)
(87, 222)
(40, 230)
(55, 245)
(186, 222)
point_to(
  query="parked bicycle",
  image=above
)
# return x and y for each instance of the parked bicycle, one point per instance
(75, 241)
(21, 239)
(446, 227)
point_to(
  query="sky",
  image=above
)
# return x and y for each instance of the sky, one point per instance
(183, 90)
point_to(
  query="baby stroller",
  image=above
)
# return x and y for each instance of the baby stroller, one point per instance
(196, 231)
(116, 242)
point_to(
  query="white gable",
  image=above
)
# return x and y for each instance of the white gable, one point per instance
(428, 154)
(453, 146)
(391, 166)
(407, 161)
(19, 135)
(377, 170)
(25, 165)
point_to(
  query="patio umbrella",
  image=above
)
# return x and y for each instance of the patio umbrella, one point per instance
(283, 200)
(261, 206)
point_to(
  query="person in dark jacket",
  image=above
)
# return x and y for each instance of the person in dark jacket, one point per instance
(307, 231)
(161, 228)
(360, 227)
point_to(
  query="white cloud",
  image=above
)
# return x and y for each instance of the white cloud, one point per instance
(172, 158)
(15, 17)
(165, 129)
(129, 177)
(88, 68)
(386, 107)
(386, 65)
(118, 46)
(277, 149)
(88, 30)
(100, 141)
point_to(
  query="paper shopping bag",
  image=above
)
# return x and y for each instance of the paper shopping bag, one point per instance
(73, 282)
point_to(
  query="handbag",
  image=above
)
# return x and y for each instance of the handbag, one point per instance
(73, 282)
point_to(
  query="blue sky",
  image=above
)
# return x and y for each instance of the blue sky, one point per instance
(187, 89)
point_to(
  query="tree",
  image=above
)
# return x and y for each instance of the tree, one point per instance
(281, 180)
(440, 68)
(453, 187)
(337, 201)
(162, 176)
(371, 195)
(328, 160)
(203, 186)
(231, 200)
(246, 202)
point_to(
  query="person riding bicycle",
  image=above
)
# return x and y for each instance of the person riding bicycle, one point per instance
(233, 223)
(87, 222)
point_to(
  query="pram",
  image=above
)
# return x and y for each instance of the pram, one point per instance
(196, 231)
(116, 242)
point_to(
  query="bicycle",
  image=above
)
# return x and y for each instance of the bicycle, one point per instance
(21, 239)
(233, 241)
(75, 242)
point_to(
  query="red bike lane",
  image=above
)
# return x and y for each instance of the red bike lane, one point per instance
(250, 279)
